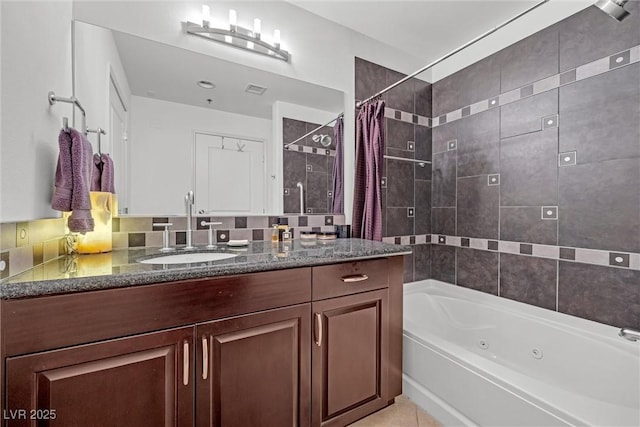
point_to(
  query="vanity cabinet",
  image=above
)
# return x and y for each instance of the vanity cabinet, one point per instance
(254, 370)
(300, 347)
(145, 380)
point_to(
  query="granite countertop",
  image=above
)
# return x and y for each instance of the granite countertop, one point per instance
(120, 268)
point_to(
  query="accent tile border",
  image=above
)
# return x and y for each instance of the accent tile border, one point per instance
(616, 259)
(590, 69)
(311, 150)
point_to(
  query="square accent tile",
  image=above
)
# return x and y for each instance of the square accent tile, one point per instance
(430, 123)
(328, 220)
(568, 253)
(397, 115)
(526, 249)
(309, 168)
(526, 91)
(309, 210)
(493, 102)
(241, 222)
(466, 111)
(568, 77)
(493, 179)
(567, 159)
(383, 182)
(398, 240)
(137, 240)
(549, 212)
(415, 119)
(618, 259)
(442, 239)
(620, 59)
(412, 240)
(286, 192)
(327, 152)
(329, 193)
(464, 242)
(442, 119)
(4, 264)
(257, 235)
(492, 245)
(411, 146)
(452, 145)
(550, 122)
(222, 236)
(303, 221)
(410, 212)
(181, 237)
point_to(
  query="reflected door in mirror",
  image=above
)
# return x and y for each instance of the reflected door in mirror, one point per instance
(229, 175)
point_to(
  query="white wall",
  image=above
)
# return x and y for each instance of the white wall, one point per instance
(161, 144)
(36, 58)
(96, 56)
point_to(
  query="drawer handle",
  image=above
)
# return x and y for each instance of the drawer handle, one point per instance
(319, 323)
(205, 358)
(354, 278)
(185, 363)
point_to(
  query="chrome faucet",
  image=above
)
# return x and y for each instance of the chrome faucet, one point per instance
(189, 201)
(630, 334)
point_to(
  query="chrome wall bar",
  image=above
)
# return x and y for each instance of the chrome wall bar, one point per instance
(630, 334)
(98, 131)
(448, 55)
(309, 133)
(420, 163)
(73, 100)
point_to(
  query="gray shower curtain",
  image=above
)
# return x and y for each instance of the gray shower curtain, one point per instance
(338, 169)
(367, 199)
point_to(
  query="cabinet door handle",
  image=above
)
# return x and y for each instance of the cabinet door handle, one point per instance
(319, 323)
(185, 362)
(354, 278)
(205, 358)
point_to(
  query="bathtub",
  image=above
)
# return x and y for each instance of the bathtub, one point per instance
(476, 359)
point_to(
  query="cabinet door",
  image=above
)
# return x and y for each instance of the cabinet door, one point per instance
(349, 373)
(254, 370)
(146, 380)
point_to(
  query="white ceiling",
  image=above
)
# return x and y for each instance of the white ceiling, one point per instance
(157, 70)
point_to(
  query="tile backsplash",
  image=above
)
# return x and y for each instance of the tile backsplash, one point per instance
(45, 239)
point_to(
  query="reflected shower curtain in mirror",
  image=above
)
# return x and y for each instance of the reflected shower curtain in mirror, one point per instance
(338, 174)
(367, 199)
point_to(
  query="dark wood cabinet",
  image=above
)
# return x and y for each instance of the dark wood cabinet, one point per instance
(349, 357)
(145, 380)
(255, 370)
(314, 346)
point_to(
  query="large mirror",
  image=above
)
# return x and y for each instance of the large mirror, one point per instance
(177, 120)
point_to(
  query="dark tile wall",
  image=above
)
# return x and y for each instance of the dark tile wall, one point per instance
(406, 192)
(557, 138)
(314, 169)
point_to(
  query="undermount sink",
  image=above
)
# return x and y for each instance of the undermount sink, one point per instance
(188, 258)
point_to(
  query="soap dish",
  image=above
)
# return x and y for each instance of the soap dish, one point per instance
(237, 243)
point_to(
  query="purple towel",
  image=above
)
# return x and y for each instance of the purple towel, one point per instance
(73, 180)
(106, 177)
(96, 172)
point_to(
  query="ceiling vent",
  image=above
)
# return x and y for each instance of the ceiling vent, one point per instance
(255, 89)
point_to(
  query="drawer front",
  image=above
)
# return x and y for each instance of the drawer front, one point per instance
(349, 278)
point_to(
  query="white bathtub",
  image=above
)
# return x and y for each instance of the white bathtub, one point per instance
(476, 359)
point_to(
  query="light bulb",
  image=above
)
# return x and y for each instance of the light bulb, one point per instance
(206, 15)
(276, 38)
(233, 20)
(256, 28)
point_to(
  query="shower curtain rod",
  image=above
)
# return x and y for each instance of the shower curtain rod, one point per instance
(309, 133)
(437, 61)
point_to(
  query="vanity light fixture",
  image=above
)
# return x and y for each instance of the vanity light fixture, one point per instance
(238, 36)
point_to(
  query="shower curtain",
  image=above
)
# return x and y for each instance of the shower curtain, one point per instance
(338, 170)
(367, 200)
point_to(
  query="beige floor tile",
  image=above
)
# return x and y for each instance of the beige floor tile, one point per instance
(403, 413)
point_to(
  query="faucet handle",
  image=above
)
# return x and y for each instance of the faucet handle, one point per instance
(165, 235)
(210, 224)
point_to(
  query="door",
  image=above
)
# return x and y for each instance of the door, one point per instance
(117, 135)
(229, 175)
(146, 380)
(254, 370)
(349, 372)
